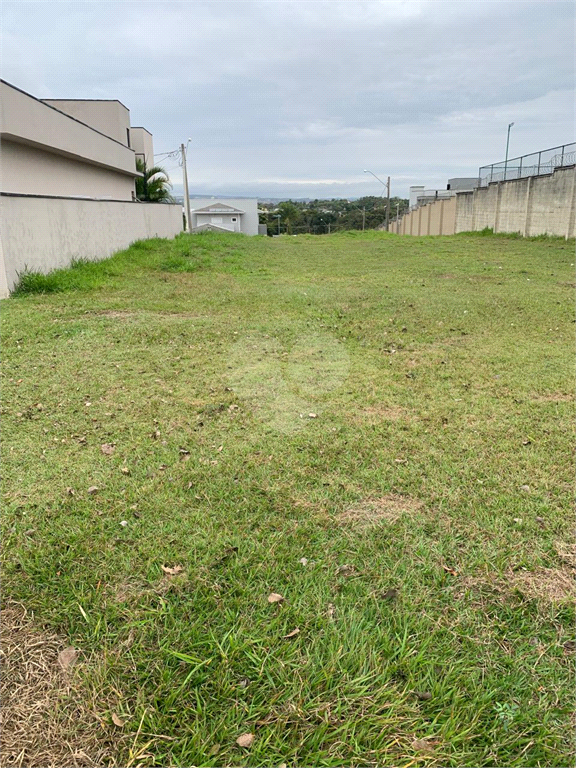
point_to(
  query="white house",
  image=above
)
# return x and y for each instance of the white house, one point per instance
(235, 215)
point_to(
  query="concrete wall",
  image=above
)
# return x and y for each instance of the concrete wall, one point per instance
(248, 221)
(110, 117)
(44, 233)
(30, 171)
(464, 212)
(27, 120)
(437, 218)
(536, 205)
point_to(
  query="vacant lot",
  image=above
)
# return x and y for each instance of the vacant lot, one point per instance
(312, 492)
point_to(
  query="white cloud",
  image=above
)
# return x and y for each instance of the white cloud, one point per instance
(303, 95)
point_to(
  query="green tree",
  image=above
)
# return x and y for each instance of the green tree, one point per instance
(290, 214)
(154, 186)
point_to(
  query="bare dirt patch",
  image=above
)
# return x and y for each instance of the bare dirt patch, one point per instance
(44, 719)
(372, 512)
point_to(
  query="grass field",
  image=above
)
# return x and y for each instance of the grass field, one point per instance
(375, 429)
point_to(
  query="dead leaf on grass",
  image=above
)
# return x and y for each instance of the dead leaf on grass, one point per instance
(213, 751)
(449, 570)
(125, 471)
(67, 658)
(390, 594)
(70, 491)
(107, 449)
(172, 571)
(274, 597)
(422, 745)
(245, 740)
(292, 634)
(118, 720)
(93, 489)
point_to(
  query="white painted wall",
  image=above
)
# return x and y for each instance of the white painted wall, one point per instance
(43, 233)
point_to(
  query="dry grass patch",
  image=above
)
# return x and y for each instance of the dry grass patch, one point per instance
(554, 397)
(372, 512)
(45, 722)
(379, 413)
(554, 585)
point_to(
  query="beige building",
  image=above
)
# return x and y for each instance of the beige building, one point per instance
(71, 149)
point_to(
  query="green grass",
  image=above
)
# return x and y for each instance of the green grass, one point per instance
(439, 371)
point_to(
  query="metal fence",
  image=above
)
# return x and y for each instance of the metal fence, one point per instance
(536, 164)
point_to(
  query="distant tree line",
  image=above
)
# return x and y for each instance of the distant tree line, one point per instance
(319, 217)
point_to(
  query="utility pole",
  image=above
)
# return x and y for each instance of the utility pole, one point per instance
(388, 206)
(186, 190)
(387, 186)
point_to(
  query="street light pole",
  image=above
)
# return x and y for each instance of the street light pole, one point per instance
(387, 187)
(183, 150)
(507, 145)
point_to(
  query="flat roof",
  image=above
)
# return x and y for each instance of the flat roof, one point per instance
(49, 106)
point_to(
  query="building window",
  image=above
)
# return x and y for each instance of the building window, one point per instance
(234, 218)
(128, 137)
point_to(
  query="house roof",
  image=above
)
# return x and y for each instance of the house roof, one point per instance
(218, 208)
(209, 228)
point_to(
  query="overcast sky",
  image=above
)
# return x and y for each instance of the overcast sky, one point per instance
(294, 98)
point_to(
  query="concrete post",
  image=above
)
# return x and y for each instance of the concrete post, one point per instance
(572, 209)
(474, 196)
(527, 208)
(497, 211)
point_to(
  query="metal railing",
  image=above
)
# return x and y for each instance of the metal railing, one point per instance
(536, 164)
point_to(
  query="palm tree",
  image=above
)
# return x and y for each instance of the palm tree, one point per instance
(154, 186)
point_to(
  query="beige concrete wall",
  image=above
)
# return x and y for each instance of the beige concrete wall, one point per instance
(464, 212)
(532, 206)
(31, 171)
(27, 120)
(437, 218)
(110, 117)
(142, 143)
(43, 233)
